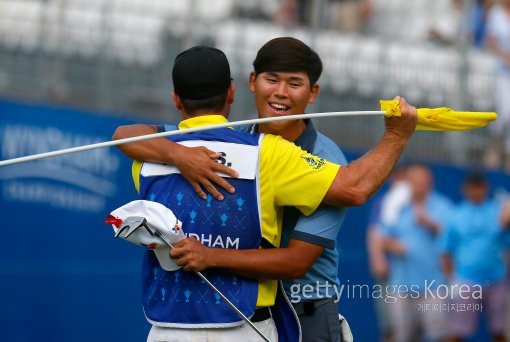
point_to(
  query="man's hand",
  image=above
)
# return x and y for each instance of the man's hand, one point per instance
(198, 167)
(394, 246)
(404, 125)
(424, 220)
(377, 257)
(190, 254)
(273, 263)
(196, 164)
(355, 183)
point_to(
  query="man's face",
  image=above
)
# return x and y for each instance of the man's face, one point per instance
(420, 180)
(282, 93)
(476, 192)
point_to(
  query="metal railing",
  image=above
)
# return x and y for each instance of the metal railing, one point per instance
(116, 57)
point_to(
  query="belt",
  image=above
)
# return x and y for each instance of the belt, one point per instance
(260, 315)
(308, 307)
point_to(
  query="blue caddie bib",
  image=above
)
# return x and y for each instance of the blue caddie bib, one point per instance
(180, 298)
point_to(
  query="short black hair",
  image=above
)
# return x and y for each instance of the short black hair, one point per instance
(288, 54)
(475, 178)
(211, 104)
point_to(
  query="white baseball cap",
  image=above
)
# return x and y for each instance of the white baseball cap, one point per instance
(143, 222)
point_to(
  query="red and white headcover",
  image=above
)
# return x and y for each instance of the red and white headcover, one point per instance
(137, 222)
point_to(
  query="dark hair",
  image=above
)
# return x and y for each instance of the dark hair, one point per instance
(288, 54)
(475, 178)
(417, 164)
(211, 104)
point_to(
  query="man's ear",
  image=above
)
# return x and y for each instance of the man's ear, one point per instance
(314, 93)
(231, 93)
(177, 100)
(251, 81)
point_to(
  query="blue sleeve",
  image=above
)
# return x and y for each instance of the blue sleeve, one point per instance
(329, 150)
(440, 209)
(448, 239)
(446, 213)
(244, 128)
(167, 127)
(321, 228)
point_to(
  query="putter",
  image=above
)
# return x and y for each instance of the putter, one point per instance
(132, 223)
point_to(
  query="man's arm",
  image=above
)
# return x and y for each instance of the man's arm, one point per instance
(293, 261)
(357, 182)
(426, 221)
(196, 164)
(394, 246)
(376, 253)
(275, 263)
(505, 216)
(353, 185)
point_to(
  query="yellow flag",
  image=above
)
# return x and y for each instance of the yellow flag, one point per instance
(442, 119)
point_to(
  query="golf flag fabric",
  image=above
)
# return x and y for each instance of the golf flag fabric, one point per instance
(442, 119)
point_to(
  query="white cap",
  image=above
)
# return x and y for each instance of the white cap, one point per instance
(142, 222)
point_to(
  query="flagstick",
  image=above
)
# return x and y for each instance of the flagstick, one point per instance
(184, 131)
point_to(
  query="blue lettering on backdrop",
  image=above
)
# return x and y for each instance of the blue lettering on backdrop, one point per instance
(82, 181)
(63, 276)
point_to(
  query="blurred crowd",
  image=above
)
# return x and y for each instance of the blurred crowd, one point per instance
(457, 17)
(440, 265)
(467, 24)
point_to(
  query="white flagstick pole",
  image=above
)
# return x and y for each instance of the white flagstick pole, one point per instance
(183, 131)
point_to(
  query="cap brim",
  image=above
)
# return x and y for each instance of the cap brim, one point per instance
(158, 217)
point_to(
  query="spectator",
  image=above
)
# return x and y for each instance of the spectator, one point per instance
(507, 284)
(473, 246)
(507, 279)
(378, 268)
(414, 260)
(450, 28)
(344, 15)
(292, 13)
(351, 15)
(478, 21)
(255, 9)
(385, 209)
(498, 41)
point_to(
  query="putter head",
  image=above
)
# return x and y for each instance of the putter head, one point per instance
(130, 225)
